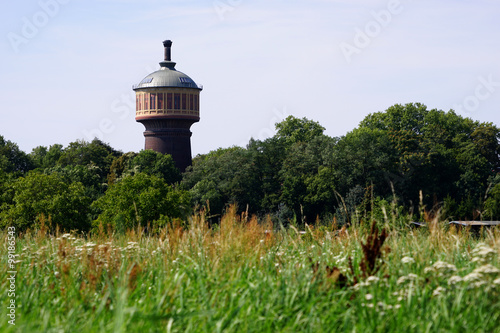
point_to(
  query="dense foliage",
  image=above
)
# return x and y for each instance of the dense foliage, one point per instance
(408, 155)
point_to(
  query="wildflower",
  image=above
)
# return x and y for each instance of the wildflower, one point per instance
(454, 280)
(441, 268)
(409, 278)
(369, 297)
(371, 279)
(482, 253)
(476, 285)
(407, 260)
(487, 270)
(90, 244)
(438, 291)
(313, 246)
(473, 277)
(497, 282)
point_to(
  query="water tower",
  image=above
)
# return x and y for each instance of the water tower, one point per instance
(167, 104)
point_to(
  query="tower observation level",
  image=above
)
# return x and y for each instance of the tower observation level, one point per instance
(167, 104)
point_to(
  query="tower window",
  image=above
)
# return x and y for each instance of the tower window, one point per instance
(152, 101)
(169, 101)
(196, 106)
(184, 99)
(161, 104)
(191, 103)
(146, 101)
(177, 101)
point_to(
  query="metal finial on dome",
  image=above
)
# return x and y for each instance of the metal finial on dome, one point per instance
(168, 44)
(167, 62)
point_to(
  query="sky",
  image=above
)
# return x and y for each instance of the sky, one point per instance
(67, 66)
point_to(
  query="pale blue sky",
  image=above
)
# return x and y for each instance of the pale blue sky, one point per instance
(68, 66)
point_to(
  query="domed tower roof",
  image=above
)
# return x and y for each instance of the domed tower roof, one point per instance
(167, 75)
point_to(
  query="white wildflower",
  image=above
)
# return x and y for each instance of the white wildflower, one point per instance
(441, 268)
(473, 277)
(497, 282)
(476, 284)
(487, 270)
(482, 253)
(369, 297)
(438, 291)
(454, 280)
(407, 278)
(407, 260)
(372, 279)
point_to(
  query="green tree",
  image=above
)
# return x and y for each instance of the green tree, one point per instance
(301, 180)
(492, 203)
(155, 163)
(364, 157)
(141, 199)
(439, 153)
(222, 177)
(44, 158)
(12, 159)
(50, 196)
(268, 156)
(293, 130)
(94, 153)
(119, 166)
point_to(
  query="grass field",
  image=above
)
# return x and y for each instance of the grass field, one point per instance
(239, 278)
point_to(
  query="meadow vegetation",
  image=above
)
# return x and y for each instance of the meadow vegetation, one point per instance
(248, 275)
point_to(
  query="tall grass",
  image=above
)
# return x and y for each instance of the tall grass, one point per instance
(245, 276)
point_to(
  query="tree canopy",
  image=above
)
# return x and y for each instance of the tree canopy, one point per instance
(407, 154)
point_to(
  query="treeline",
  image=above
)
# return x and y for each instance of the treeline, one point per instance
(407, 155)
